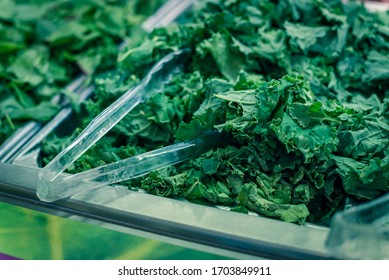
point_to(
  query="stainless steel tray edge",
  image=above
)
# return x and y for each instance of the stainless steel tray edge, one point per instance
(251, 235)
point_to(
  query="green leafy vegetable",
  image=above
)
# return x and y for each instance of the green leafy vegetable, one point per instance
(301, 88)
(44, 45)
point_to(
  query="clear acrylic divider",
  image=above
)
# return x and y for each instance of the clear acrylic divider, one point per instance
(361, 232)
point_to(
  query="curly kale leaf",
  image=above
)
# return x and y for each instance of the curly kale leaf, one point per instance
(364, 179)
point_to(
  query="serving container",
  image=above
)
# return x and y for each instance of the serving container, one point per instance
(208, 228)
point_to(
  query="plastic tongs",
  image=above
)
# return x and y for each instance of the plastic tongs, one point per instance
(51, 188)
(361, 232)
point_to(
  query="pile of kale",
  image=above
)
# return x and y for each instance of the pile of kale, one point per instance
(44, 45)
(300, 86)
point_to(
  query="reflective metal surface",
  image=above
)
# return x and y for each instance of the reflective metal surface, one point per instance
(250, 235)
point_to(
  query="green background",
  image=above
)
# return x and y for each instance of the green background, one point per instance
(32, 235)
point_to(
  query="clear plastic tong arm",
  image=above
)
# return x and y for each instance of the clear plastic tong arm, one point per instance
(159, 75)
